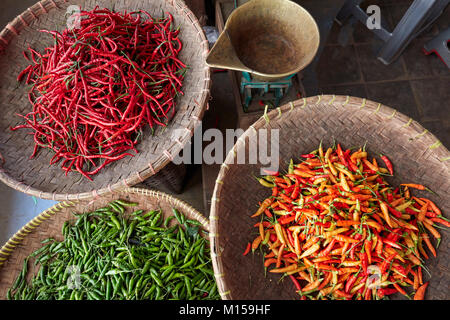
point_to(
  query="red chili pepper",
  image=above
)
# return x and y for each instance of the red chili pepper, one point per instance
(364, 262)
(341, 155)
(275, 191)
(340, 293)
(399, 289)
(396, 213)
(400, 269)
(392, 244)
(268, 214)
(271, 173)
(340, 205)
(350, 281)
(368, 294)
(296, 283)
(411, 211)
(389, 197)
(388, 164)
(291, 241)
(296, 191)
(439, 220)
(368, 249)
(75, 79)
(285, 197)
(284, 206)
(247, 249)
(386, 292)
(328, 249)
(379, 247)
(386, 263)
(325, 225)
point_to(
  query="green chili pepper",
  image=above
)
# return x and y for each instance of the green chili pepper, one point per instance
(137, 258)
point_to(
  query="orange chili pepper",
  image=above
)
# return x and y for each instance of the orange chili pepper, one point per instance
(310, 242)
(256, 243)
(421, 249)
(285, 269)
(311, 286)
(426, 238)
(270, 261)
(419, 275)
(441, 221)
(414, 186)
(432, 230)
(347, 223)
(423, 211)
(347, 270)
(399, 289)
(420, 293)
(280, 254)
(263, 207)
(331, 231)
(345, 239)
(433, 206)
(325, 281)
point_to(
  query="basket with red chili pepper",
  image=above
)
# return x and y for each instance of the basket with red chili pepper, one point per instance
(336, 227)
(99, 85)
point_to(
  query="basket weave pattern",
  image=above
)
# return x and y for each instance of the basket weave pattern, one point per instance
(35, 176)
(49, 224)
(417, 156)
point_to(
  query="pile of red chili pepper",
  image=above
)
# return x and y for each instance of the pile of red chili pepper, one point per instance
(340, 231)
(96, 88)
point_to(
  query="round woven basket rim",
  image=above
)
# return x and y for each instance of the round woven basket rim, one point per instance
(14, 242)
(390, 114)
(13, 28)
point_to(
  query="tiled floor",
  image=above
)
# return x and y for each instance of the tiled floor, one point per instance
(415, 84)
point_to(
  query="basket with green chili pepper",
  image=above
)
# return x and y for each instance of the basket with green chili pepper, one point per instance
(109, 255)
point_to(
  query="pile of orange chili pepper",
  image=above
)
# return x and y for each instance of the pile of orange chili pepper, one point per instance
(340, 231)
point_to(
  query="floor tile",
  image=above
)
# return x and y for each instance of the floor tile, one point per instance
(443, 21)
(395, 94)
(17, 210)
(340, 35)
(357, 90)
(338, 65)
(375, 70)
(419, 65)
(440, 130)
(434, 96)
(397, 12)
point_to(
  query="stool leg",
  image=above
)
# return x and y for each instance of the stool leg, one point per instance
(404, 32)
(346, 11)
(439, 46)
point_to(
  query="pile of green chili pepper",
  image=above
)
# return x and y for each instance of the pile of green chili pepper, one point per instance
(108, 256)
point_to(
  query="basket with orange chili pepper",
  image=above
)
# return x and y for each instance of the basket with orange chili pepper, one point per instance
(336, 227)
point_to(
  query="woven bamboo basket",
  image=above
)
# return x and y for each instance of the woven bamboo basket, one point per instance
(170, 179)
(49, 224)
(416, 154)
(35, 176)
